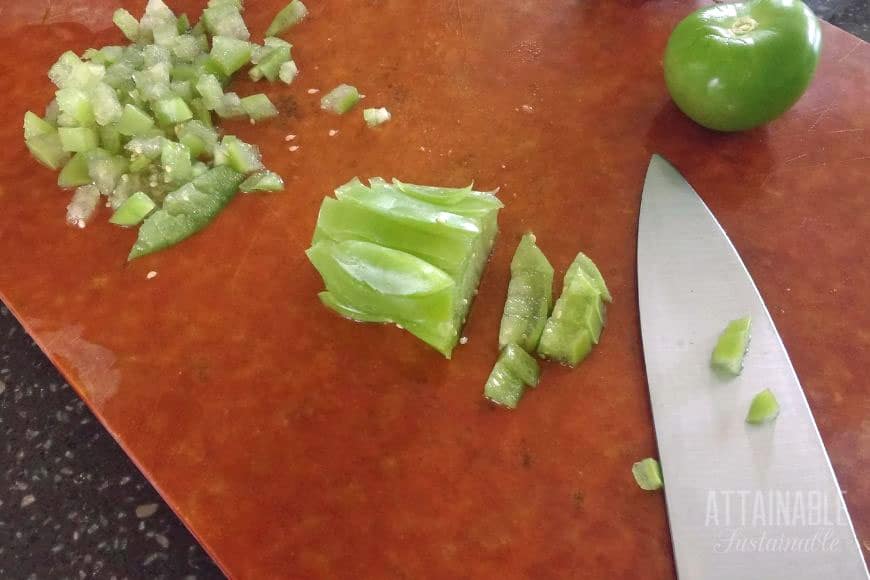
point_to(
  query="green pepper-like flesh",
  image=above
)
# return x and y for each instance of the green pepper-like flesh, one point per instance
(732, 346)
(529, 298)
(578, 317)
(514, 370)
(437, 244)
(764, 407)
(187, 212)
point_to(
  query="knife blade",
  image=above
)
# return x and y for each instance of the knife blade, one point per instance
(744, 501)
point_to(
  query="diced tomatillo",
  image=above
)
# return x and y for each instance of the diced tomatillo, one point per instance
(503, 387)
(648, 474)
(732, 346)
(75, 172)
(522, 364)
(77, 139)
(288, 71)
(230, 54)
(82, 206)
(34, 126)
(172, 110)
(239, 155)
(514, 370)
(134, 121)
(133, 210)
(225, 20)
(374, 117)
(262, 181)
(209, 87)
(764, 408)
(199, 138)
(289, 16)
(340, 100)
(110, 138)
(259, 107)
(127, 23)
(269, 63)
(175, 158)
(48, 149)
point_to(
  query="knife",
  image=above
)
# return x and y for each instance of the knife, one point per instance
(744, 501)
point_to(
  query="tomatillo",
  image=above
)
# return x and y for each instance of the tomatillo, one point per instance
(732, 67)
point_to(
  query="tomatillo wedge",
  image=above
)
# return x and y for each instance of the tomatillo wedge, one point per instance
(731, 67)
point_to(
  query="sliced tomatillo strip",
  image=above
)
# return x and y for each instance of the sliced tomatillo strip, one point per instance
(529, 298)
(187, 210)
(578, 316)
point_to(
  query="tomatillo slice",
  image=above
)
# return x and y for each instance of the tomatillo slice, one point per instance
(731, 67)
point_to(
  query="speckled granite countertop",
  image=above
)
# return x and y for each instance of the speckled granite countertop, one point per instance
(72, 505)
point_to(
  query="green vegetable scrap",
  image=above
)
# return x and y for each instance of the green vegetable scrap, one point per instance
(648, 474)
(340, 100)
(289, 16)
(732, 346)
(375, 117)
(764, 408)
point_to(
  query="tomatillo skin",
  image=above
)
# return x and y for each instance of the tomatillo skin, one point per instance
(732, 67)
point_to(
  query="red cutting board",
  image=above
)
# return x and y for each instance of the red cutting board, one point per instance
(299, 445)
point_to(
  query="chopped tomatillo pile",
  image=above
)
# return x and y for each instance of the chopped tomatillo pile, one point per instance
(732, 346)
(578, 316)
(135, 123)
(405, 254)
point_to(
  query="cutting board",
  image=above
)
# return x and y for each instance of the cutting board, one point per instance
(299, 445)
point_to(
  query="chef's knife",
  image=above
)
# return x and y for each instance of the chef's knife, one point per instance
(745, 502)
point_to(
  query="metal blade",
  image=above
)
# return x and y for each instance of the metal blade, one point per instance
(744, 501)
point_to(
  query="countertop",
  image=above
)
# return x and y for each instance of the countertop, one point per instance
(72, 504)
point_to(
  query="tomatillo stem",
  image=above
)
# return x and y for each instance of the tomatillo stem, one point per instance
(743, 25)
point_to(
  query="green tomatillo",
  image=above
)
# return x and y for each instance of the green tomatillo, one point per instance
(731, 67)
